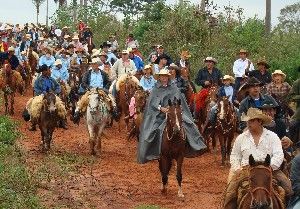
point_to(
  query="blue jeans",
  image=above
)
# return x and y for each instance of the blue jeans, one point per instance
(238, 83)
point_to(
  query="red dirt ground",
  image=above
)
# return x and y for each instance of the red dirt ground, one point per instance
(115, 180)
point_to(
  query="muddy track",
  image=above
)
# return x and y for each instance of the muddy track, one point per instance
(69, 177)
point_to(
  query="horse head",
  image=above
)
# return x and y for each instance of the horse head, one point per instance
(94, 100)
(224, 107)
(174, 116)
(260, 182)
(49, 102)
(140, 99)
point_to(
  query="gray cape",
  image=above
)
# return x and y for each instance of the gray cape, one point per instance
(154, 122)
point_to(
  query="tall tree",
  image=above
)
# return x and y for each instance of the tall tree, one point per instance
(61, 3)
(289, 18)
(268, 17)
(37, 4)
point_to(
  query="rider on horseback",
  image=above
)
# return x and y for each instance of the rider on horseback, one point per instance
(94, 78)
(259, 142)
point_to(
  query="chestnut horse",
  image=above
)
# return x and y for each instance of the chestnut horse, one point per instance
(261, 192)
(10, 82)
(173, 145)
(225, 126)
(126, 87)
(33, 63)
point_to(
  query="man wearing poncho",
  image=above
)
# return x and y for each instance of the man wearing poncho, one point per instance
(43, 84)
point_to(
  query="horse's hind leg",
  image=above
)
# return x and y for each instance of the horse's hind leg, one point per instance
(179, 176)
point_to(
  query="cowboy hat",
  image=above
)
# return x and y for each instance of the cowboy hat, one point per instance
(125, 51)
(149, 66)
(160, 46)
(105, 44)
(58, 62)
(243, 51)
(95, 60)
(251, 82)
(95, 53)
(87, 26)
(186, 54)
(163, 71)
(228, 77)
(8, 28)
(41, 39)
(66, 36)
(23, 52)
(263, 62)
(210, 59)
(65, 27)
(173, 66)
(254, 113)
(75, 37)
(279, 72)
(102, 54)
(11, 49)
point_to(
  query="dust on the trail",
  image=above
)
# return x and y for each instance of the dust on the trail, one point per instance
(114, 180)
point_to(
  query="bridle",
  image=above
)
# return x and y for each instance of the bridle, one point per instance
(173, 131)
(230, 122)
(267, 190)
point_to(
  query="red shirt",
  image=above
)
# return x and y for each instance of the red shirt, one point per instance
(81, 26)
(3, 47)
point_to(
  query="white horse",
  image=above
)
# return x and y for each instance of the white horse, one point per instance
(97, 117)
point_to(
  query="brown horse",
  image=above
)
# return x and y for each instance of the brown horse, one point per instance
(126, 87)
(261, 193)
(73, 95)
(189, 94)
(32, 61)
(140, 97)
(10, 82)
(225, 127)
(48, 120)
(173, 145)
(25, 70)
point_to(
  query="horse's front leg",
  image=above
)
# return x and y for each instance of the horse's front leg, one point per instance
(223, 148)
(179, 174)
(100, 131)
(164, 165)
(92, 139)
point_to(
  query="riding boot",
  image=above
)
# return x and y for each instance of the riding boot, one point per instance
(115, 113)
(63, 124)
(76, 117)
(33, 127)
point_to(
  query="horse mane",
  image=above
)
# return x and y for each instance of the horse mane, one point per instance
(123, 78)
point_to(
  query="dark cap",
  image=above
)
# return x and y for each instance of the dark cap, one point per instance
(43, 68)
(251, 82)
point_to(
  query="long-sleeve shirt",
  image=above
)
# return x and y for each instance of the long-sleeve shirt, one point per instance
(139, 64)
(44, 60)
(239, 67)
(121, 68)
(147, 83)
(60, 74)
(214, 77)
(44, 84)
(96, 79)
(244, 146)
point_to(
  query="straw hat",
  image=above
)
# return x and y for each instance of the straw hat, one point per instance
(66, 36)
(41, 39)
(173, 66)
(58, 62)
(23, 52)
(211, 59)
(95, 60)
(11, 49)
(254, 113)
(279, 72)
(75, 37)
(65, 27)
(251, 82)
(263, 62)
(228, 77)
(125, 51)
(149, 66)
(244, 51)
(163, 71)
(95, 53)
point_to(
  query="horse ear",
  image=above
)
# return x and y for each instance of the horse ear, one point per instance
(268, 160)
(179, 102)
(251, 161)
(170, 102)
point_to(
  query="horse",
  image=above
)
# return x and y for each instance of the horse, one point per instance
(261, 193)
(97, 117)
(33, 63)
(126, 86)
(48, 119)
(189, 93)
(10, 82)
(25, 71)
(173, 145)
(73, 96)
(140, 96)
(225, 126)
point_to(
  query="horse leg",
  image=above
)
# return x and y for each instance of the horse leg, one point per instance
(6, 103)
(228, 149)
(223, 148)
(164, 166)
(100, 131)
(12, 101)
(92, 139)
(179, 175)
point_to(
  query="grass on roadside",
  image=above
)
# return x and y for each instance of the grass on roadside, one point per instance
(17, 187)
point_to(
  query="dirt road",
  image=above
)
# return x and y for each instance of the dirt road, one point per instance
(68, 177)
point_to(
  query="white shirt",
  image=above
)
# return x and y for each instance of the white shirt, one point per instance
(239, 67)
(244, 146)
(121, 68)
(58, 32)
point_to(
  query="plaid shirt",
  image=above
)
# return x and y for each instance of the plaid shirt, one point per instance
(281, 92)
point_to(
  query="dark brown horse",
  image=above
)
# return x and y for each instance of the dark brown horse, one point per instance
(127, 87)
(25, 71)
(225, 127)
(140, 97)
(173, 145)
(73, 95)
(261, 192)
(10, 82)
(48, 120)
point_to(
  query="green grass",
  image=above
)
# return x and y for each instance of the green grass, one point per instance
(17, 187)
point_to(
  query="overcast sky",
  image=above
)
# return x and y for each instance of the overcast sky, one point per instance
(22, 11)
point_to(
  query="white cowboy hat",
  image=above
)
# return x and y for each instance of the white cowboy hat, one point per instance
(95, 60)
(65, 27)
(163, 71)
(11, 49)
(75, 37)
(228, 77)
(210, 59)
(66, 36)
(125, 51)
(41, 39)
(279, 72)
(58, 62)
(254, 113)
(95, 52)
(149, 66)
(8, 28)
